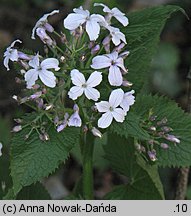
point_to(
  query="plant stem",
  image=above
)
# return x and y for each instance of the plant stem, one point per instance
(87, 150)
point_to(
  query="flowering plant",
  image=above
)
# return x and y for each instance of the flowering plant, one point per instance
(82, 88)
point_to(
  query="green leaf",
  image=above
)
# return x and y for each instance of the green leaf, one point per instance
(33, 159)
(143, 179)
(32, 192)
(130, 127)
(143, 35)
(178, 120)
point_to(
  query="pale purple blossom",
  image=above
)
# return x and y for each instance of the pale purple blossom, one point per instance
(43, 23)
(11, 54)
(115, 12)
(128, 100)
(80, 17)
(75, 119)
(64, 124)
(110, 109)
(83, 86)
(116, 35)
(41, 70)
(115, 64)
(172, 138)
(44, 37)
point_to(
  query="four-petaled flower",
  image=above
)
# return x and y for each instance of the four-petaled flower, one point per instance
(43, 23)
(115, 12)
(111, 110)
(41, 70)
(115, 64)
(11, 54)
(80, 17)
(83, 86)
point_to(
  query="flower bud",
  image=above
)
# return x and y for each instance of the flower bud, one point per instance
(44, 37)
(17, 128)
(106, 43)
(18, 121)
(164, 145)
(62, 59)
(95, 49)
(124, 54)
(127, 83)
(152, 128)
(76, 108)
(172, 138)
(152, 155)
(152, 118)
(48, 27)
(15, 97)
(24, 64)
(18, 80)
(40, 103)
(63, 38)
(1, 146)
(96, 132)
(85, 129)
(119, 48)
(162, 122)
(36, 86)
(166, 129)
(24, 56)
(36, 95)
(48, 107)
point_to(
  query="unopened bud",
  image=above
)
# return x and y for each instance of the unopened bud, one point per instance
(17, 128)
(36, 95)
(15, 97)
(44, 37)
(166, 129)
(36, 86)
(152, 128)
(63, 38)
(40, 103)
(18, 121)
(152, 118)
(48, 107)
(172, 138)
(18, 80)
(127, 83)
(119, 48)
(96, 132)
(85, 129)
(152, 155)
(83, 58)
(124, 54)
(162, 122)
(164, 145)
(22, 71)
(62, 59)
(95, 49)
(48, 27)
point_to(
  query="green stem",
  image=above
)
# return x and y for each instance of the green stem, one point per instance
(87, 183)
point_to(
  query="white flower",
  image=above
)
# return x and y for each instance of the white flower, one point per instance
(11, 54)
(115, 64)
(83, 86)
(116, 35)
(115, 12)
(43, 22)
(41, 70)
(1, 146)
(110, 109)
(80, 17)
(128, 100)
(75, 119)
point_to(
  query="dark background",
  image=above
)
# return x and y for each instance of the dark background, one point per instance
(168, 76)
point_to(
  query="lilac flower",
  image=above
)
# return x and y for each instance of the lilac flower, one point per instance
(128, 100)
(11, 54)
(152, 155)
(17, 128)
(116, 35)
(115, 12)
(83, 86)
(172, 138)
(75, 119)
(41, 70)
(115, 64)
(43, 23)
(80, 17)
(44, 37)
(110, 109)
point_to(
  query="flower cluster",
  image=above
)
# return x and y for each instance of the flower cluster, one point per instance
(160, 136)
(81, 81)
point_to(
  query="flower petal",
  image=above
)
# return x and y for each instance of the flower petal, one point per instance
(6, 62)
(35, 62)
(77, 77)
(119, 114)
(103, 106)
(75, 120)
(100, 62)
(113, 56)
(93, 29)
(116, 97)
(75, 92)
(73, 21)
(105, 8)
(105, 120)
(50, 63)
(80, 10)
(14, 55)
(94, 79)
(120, 16)
(128, 100)
(30, 77)
(14, 42)
(92, 93)
(120, 63)
(48, 78)
(115, 76)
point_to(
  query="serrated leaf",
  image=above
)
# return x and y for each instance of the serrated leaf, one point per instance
(143, 34)
(178, 120)
(131, 127)
(143, 180)
(34, 159)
